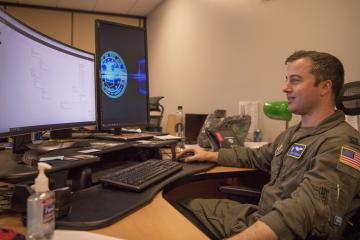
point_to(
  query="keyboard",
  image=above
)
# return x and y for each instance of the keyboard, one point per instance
(140, 176)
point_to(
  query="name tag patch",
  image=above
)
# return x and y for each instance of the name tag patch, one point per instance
(296, 150)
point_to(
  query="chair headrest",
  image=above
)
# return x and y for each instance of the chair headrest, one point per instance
(154, 104)
(349, 98)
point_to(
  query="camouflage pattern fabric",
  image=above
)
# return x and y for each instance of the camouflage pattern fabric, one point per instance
(238, 126)
(212, 120)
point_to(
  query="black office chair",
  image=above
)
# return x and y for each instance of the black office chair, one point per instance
(156, 111)
(349, 102)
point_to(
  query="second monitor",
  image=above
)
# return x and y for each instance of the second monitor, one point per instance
(122, 78)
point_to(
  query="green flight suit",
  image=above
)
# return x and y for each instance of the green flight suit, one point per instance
(314, 182)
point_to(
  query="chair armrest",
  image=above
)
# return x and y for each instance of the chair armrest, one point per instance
(240, 191)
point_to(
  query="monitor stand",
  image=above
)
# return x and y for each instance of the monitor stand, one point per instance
(48, 146)
(23, 143)
(118, 135)
(20, 143)
(59, 139)
(61, 134)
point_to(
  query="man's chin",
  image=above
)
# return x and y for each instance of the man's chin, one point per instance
(292, 110)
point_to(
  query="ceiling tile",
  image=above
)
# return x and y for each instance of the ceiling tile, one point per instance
(11, 1)
(143, 7)
(132, 7)
(114, 6)
(46, 3)
(87, 5)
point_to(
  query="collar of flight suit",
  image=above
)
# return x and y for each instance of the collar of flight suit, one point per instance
(330, 122)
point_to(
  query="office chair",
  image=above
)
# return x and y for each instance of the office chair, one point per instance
(156, 111)
(349, 102)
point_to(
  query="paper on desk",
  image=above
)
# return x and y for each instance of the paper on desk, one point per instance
(44, 159)
(250, 108)
(167, 137)
(80, 235)
(131, 130)
(254, 144)
(89, 150)
(144, 141)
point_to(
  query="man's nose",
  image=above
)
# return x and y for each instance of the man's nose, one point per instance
(286, 87)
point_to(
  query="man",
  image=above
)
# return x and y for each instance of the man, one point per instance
(314, 166)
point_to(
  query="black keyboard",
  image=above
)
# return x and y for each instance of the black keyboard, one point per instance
(142, 175)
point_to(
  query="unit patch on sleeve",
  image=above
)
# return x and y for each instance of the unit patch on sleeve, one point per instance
(350, 157)
(296, 150)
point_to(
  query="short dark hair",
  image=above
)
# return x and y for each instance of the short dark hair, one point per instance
(325, 67)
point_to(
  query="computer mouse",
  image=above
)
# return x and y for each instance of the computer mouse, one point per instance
(182, 157)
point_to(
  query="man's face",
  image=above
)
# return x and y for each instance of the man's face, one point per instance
(302, 94)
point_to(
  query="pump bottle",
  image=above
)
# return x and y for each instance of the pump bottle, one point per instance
(41, 208)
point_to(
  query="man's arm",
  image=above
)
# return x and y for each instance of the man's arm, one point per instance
(235, 157)
(258, 230)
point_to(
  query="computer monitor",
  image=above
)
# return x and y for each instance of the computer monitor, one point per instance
(193, 124)
(122, 76)
(44, 84)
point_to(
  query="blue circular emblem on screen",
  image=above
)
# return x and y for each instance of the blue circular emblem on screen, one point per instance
(113, 74)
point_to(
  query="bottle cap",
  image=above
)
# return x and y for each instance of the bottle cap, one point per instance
(41, 181)
(179, 107)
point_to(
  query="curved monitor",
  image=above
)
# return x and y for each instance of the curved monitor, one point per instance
(44, 84)
(122, 78)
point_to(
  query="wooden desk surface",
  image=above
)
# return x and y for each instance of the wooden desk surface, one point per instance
(157, 220)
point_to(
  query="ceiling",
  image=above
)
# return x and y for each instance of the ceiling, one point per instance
(128, 7)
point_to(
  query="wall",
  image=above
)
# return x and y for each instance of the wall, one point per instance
(209, 54)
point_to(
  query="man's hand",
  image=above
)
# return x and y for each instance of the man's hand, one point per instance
(257, 231)
(199, 155)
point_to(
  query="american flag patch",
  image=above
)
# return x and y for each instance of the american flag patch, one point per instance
(350, 157)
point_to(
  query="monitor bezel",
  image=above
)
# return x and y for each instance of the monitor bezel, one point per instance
(45, 127)
(99, 115)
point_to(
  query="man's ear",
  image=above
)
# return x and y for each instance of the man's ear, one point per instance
(325, 87)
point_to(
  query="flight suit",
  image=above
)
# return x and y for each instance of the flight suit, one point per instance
(314, 182)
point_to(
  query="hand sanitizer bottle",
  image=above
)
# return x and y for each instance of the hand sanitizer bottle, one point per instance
(41, 208)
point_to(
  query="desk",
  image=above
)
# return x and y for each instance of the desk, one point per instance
(156, 220)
